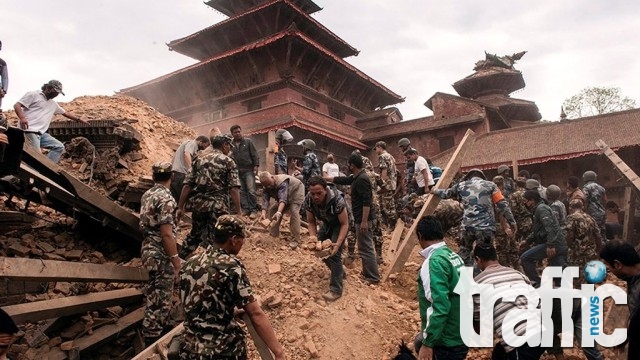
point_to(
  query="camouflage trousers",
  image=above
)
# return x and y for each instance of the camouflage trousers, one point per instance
(506, 249)
(202, 225)
(467, 239)
(524, 229)
(376, 230)
(158, 292)
(388, 208)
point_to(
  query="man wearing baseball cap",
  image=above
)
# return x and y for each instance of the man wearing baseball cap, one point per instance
(35, 110)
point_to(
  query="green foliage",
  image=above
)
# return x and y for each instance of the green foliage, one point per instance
(595, 101)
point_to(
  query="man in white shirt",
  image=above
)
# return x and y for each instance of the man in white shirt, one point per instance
(422, 174)
(330, 169)
(35, 111)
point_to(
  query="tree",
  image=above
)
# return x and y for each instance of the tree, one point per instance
(595, 101)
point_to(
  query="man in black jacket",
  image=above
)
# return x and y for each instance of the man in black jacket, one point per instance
(246, 157)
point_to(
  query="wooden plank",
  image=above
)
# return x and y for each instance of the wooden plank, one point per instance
(161, 345)
(50, 270)
(410, 240)
(16, 217)
(102, 335)
(48, 309)
(629, 207)
(395, 238)
(261, 346)
(514, 168)
(619, 164)
(269, 152)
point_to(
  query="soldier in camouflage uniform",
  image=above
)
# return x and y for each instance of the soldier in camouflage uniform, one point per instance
(583, 237)
(405, 144)
(387, 168)
(310, 164)
(212, 285)
(280, 156)
(596, 197)
(213, 178)
(159, 253)
(509, 185)
(478, 197)
(504, 243)
(521, 212)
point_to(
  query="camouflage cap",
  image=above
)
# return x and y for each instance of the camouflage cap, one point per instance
(223, 138)
(382, 144)
(498, 180)
(576, 204)
(231, 225)
(56, 85)
(161, 167)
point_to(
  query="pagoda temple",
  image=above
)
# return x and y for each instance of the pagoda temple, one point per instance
(271, 65)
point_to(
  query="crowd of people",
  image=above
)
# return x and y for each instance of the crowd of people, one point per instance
(506, 225)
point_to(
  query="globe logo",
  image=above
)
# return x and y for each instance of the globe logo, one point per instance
(595, 271)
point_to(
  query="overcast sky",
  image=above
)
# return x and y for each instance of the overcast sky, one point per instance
(414, 47)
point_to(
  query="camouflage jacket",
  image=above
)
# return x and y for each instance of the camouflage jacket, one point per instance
(584, 231)
(210, 178)
(367, 164)
(212, 284)
(520, 211)
(509, 187)
(310, 166)
(596, 196)
(387, 162)
(157, 207)
(559, 211)
(280, 161)
(478, 197)
(545, 228)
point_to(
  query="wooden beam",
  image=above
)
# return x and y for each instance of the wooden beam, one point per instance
(161, 345)
(395, 238)
(514, 170)
(313, 71)
(261, 346)
(629, 207)
(48, 309)
(410, 240)
(101, 335)
(619, 164)
(50, 270)
(302, 54)
(269, 153)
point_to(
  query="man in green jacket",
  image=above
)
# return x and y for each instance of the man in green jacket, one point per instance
(439, 304)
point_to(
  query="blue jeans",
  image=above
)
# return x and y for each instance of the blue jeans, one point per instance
(248, 200)
(367, 253)
(46, 141)
(537, 253)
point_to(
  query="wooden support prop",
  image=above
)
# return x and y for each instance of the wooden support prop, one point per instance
(514, 170)
(48, 309)
(410, 239)
(629, 207)
(50, 270)
(619, 164)
(270, 153)
(395, 238)
(261, 346)
(102, 335)
(161, 345)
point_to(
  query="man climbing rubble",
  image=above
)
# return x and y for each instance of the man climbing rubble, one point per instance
(182, 160)
(35, 110)
(213, 179)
